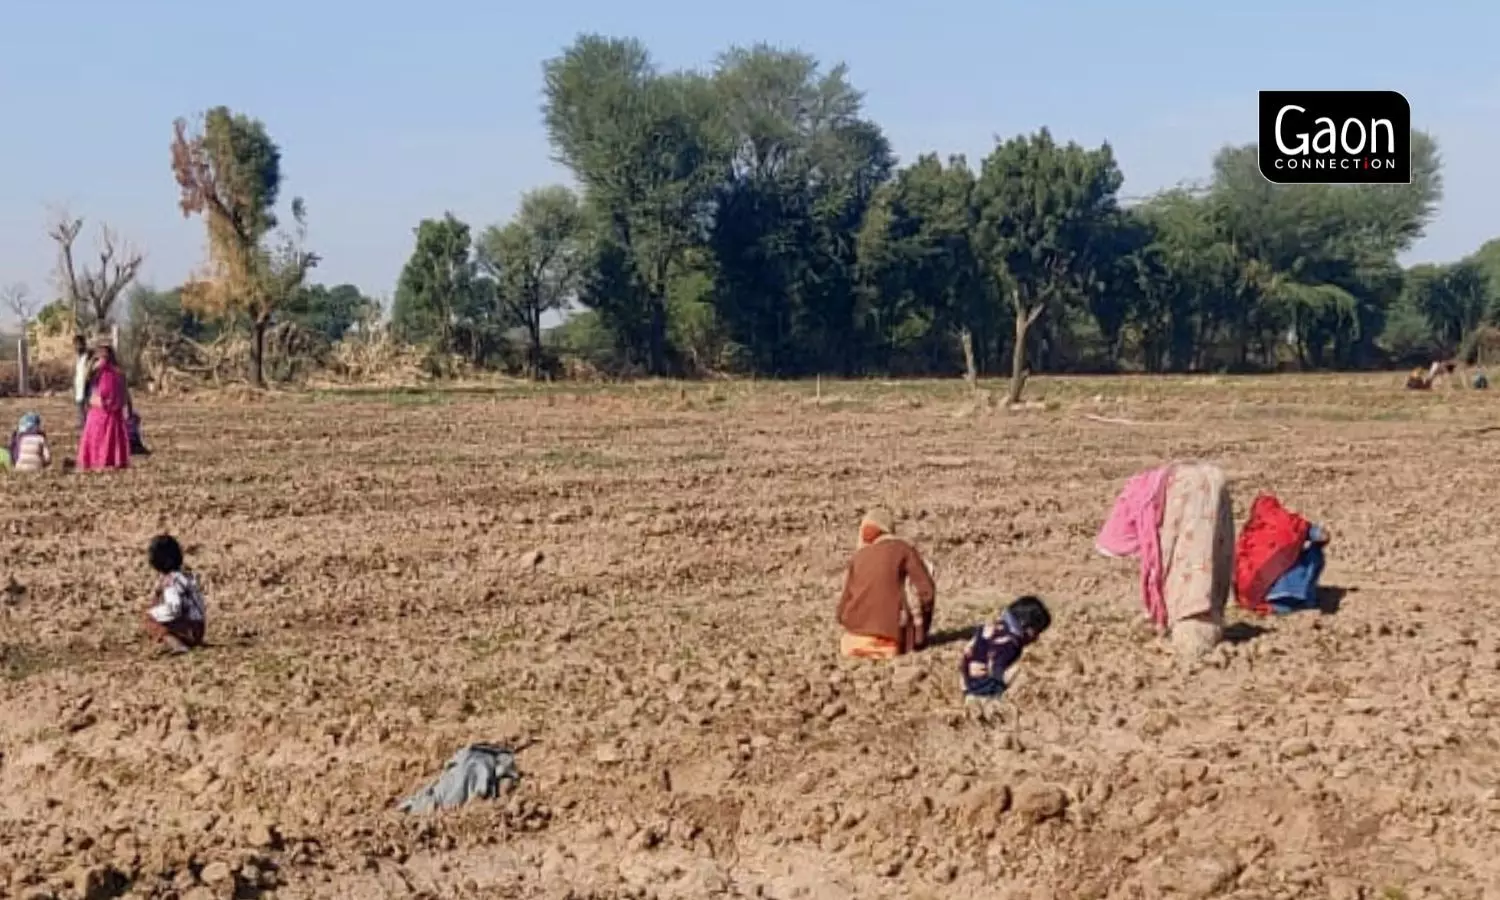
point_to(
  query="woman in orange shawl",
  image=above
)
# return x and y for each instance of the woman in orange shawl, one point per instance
(878, 620)
(105, 442)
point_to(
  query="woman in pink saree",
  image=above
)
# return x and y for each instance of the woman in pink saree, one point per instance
(105, 443)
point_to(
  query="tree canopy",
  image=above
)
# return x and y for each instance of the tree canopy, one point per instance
(752, 218)
(229, 174)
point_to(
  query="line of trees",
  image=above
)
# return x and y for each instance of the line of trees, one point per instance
(753, 219)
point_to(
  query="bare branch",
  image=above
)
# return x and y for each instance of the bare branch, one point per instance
(17, 298)
(65, 233)
(118, 265)
(96, 289)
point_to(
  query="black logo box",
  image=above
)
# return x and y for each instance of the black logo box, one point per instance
(1335, 137)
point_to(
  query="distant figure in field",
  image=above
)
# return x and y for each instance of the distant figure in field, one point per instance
(1418, 380)
(1426, 379)
(875, 612)
(1481, 380)
(82, 371)
(133, 431)
(105, 442)
(1179, 521)
(28, 445)
(177, 614)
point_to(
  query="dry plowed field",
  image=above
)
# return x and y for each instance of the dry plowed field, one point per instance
(635, 588)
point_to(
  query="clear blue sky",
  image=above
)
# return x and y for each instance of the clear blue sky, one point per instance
(388, 112)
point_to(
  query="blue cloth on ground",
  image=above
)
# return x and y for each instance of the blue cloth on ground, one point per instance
(474, 772)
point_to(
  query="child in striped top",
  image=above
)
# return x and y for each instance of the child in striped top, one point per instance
(28, 445)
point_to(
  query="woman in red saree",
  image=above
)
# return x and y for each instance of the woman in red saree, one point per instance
(1278, 559)
(105, 442)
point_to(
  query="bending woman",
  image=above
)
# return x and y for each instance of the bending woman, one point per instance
(1179, 520)
(105, 442)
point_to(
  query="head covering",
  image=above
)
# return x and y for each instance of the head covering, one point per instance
(104, 340)
(1133, 529)
(29, 424)
(103, 353)
(880, 518)
(876, 523)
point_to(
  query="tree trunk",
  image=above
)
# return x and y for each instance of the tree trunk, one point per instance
(534, 352)
(1024, 320)
(23, 370)
(258, 353)
(971, 368)
(1018, 362)
(657, 338)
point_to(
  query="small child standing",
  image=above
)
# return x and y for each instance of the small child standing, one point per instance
(28, 445)
(177, 617)
(998, 645)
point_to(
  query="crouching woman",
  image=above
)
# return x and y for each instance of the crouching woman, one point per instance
(877, 619)
(1178, 520)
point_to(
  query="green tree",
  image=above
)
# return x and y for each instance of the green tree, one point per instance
(802, 167)
(441, 298)
(329, 311)
(154, 312)
(1454, 299)
(229, 173)
(921, 274)
(1487, 258)
(1318, 260)
(1042, 209)
(643, 146)
(536, 262)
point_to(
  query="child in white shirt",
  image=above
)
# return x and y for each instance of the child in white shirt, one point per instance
(177, 616)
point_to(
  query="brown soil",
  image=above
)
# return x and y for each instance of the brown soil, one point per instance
(636, 585)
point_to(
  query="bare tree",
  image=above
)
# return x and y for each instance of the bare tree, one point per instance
(17, 298)
(93, 290)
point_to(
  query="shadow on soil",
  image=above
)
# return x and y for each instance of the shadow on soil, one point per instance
(949, 636)
(1243, 632)
(1331, 599)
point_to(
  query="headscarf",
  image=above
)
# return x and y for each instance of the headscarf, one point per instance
(877, 523)
(30, 423)
(1268, 547)
(1133, 529)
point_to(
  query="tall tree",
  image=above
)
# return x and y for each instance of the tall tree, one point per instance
(536, 262)
(918, 263)
(440, 296)
(1318, 260)
(229, 174)
(642, 144)
(1455, 300)
(1042, 208)
(803, 166)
